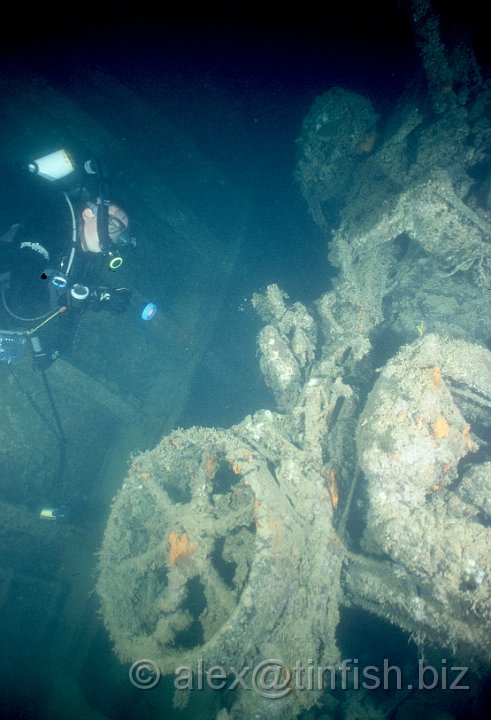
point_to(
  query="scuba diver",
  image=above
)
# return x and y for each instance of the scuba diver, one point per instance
(51, 261)
(67, 232)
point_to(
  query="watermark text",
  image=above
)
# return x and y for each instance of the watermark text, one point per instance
(273, 678)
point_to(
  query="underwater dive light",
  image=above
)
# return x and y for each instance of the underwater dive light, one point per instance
(54, 166)
(59, 514)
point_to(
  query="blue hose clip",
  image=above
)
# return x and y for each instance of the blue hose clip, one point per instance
(59, 281)
(148, 311)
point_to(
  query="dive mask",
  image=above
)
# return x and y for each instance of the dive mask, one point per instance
(113, 233)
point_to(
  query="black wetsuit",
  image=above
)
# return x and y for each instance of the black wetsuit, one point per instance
(40, 249)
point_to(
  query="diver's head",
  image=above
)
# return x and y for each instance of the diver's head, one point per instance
(104, 228)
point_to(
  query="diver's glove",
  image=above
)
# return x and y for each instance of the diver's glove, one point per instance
(114, 300)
